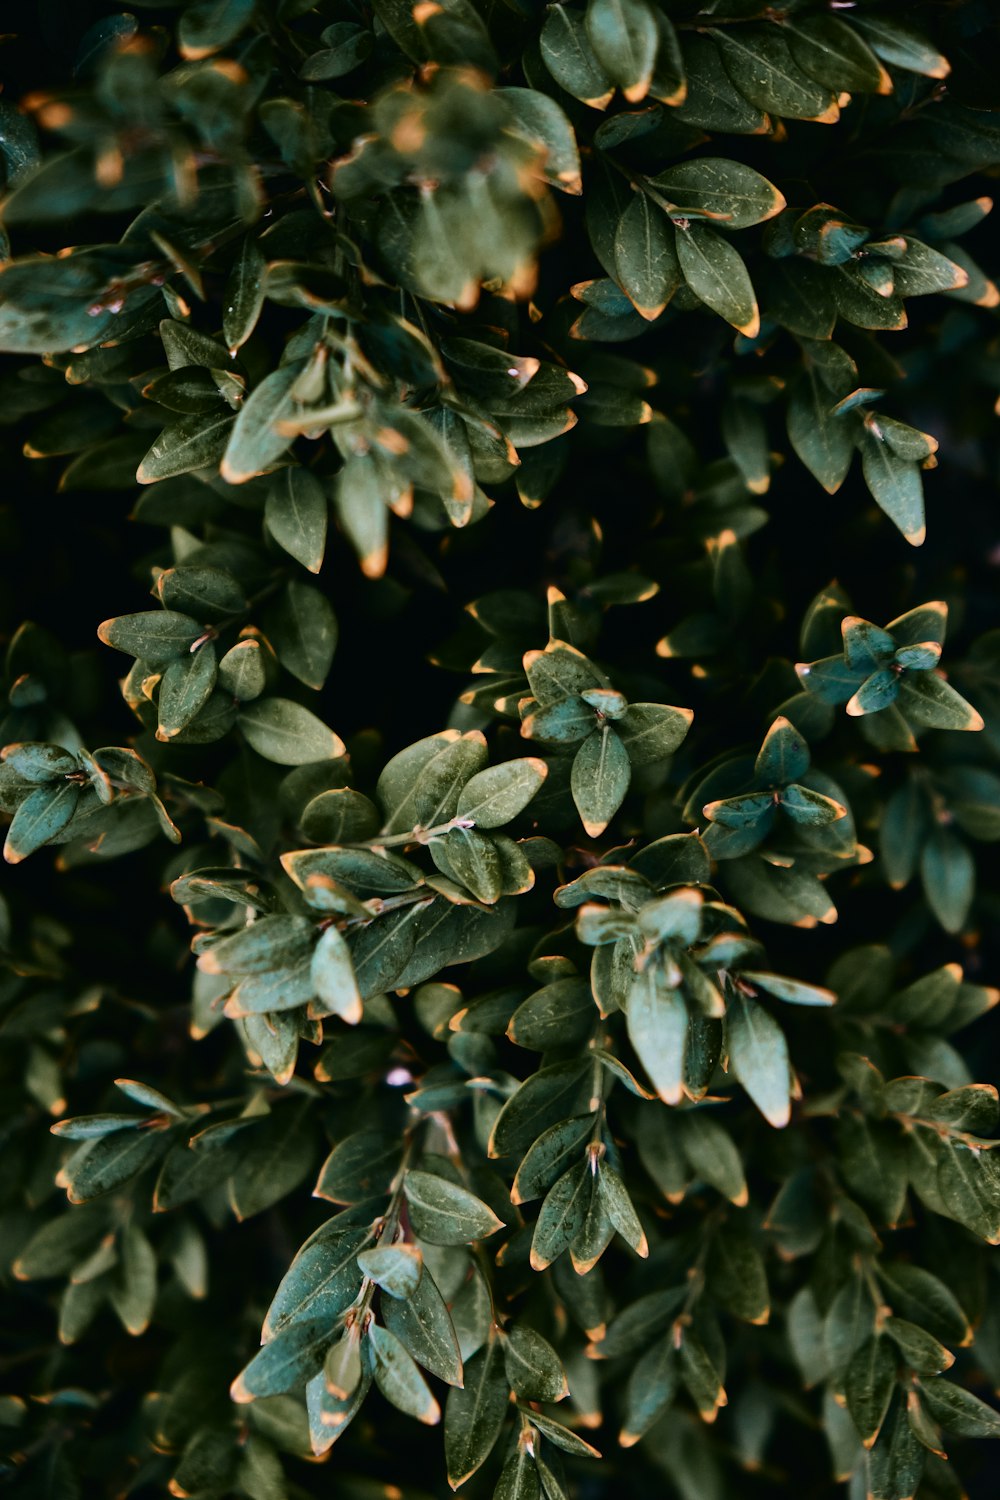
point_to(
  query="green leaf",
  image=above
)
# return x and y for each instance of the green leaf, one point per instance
(560, 1015)
(921, 1350)
(715, 188)
(533, 1367)
(868, 1386)
(613, 1198)
(926, 698)
(645, 258)
(243, 297)
(423, 1324)
(823, 444)
(360, 1166)
(398, 1378)
(657, 1029)
(287, 733)
(549, 1156)
(923, 1299)
(420, 787)
(332, 975)
(100, 1166)
(895, 485)
(652, 731)
(241, 671)
(42, 816)
(600, 778)
(571, 60)
(948, 873)
(495, 796)
(195, 442)
(257, 439)
(758, 1056)
(444, 1213)
(302, 628)
(736, 1276)
(760, 63)
(624, 36)
(292, 1357)
(902, 45)
(322, 1280)
(716, 274)
(475, 1412)
(185, 688)
(713, 1155)
(561, 1216)
(959, 1410)
(295, 514)
(156, 637)
(539, 119)
(833, 53)
(652, 1386)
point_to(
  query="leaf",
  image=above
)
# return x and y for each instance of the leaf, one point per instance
(332, 974)
(554, 1432)
(42, 816)
(895, 485)
(923, 1299)
(645, 258)
(926, 698)
(539, 119)
(157, 636)
(100, 1166)
(652, 1386)
(652, 731)
(717, 275)
(243, 297)
(599, 779)
(948, 874)
(959, 1410)
(761, 65)
(420, 787)
(183, 447)
(823, 444)
(758, 1056)
(657, 1029)
(474, 1413)
(398, 1378)
(727, 191)
(257, 441)
(714, 1155)
(494, 797)
(533, 1367)
(292, 1357)
(736, 1275)
(613, 1198)
(560, 1015)
(185, 688)
(322, 1280)
(833, 53)
(549, 1156)
(287, 733)
(423, 1325)
(624, 36)
(295, 514)
(561, 1216)
(921, 1350)
(901, 44)
(444, 1213)
(241, 671)
(302, 628)
(359, 1166)
(868, 1386)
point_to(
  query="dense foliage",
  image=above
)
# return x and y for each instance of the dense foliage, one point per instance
(570, 1023)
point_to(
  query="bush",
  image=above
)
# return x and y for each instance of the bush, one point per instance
(590, 896)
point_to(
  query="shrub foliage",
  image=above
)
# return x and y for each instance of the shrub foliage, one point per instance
(580, 1036)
